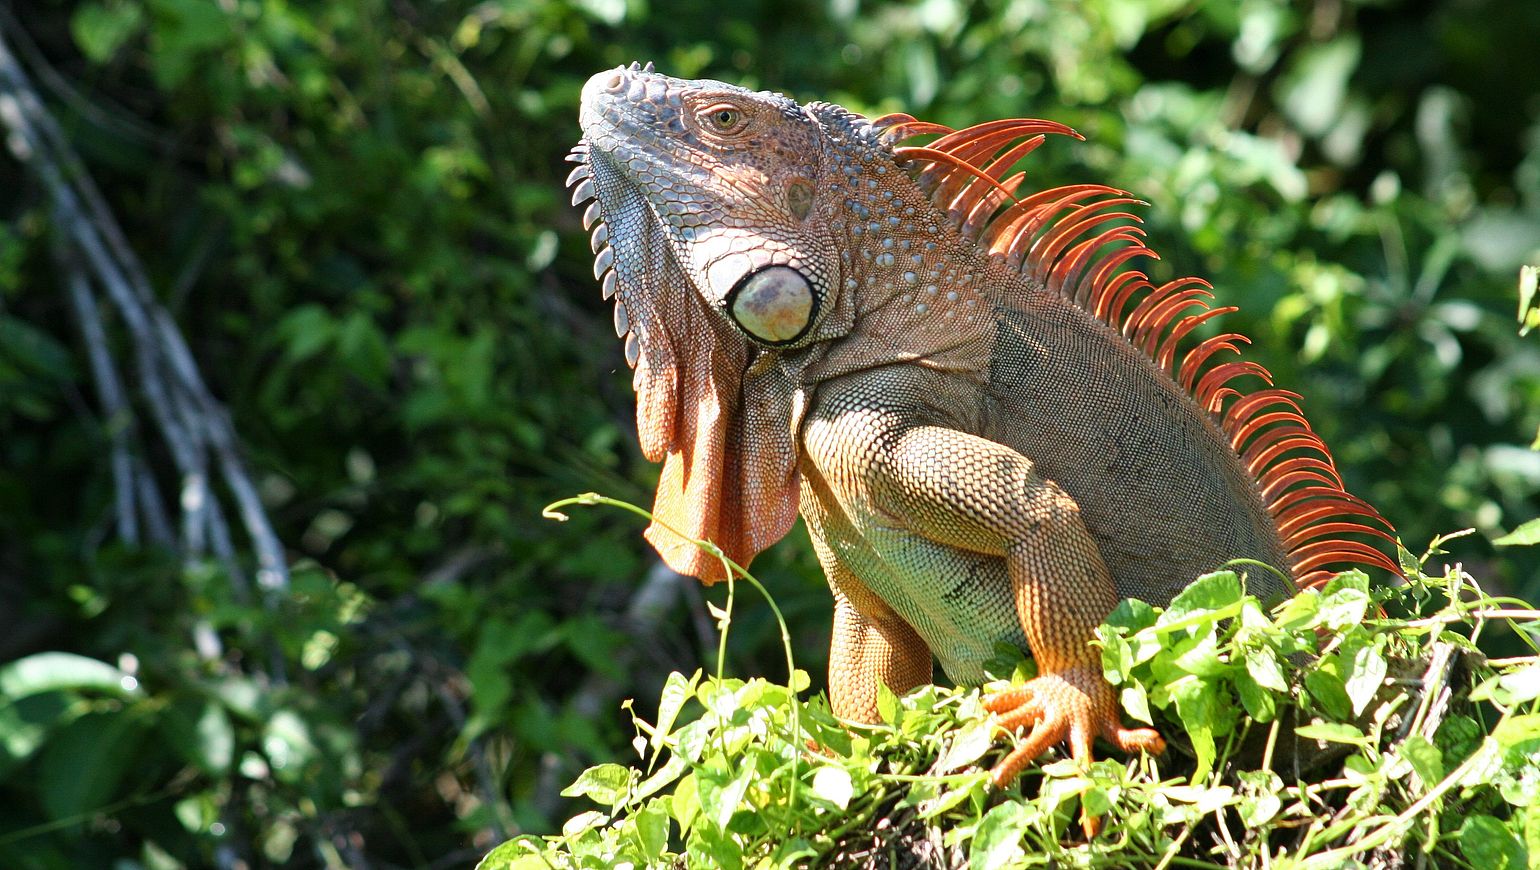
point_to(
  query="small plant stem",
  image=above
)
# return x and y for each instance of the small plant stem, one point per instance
(1256, 563)
(725, 623)
(733, 570)
(1404, 819)
(1514, 661)
(1272, 740)
(1464, 616)
(1175, 847)
(871, 803)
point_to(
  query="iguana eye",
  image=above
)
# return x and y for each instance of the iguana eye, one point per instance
(724, 119)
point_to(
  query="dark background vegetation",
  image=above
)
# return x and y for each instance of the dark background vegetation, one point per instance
(355, 213)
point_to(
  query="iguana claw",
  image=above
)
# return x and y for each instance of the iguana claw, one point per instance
(1075, 705)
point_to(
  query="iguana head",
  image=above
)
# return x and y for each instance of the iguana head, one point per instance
(728, 177)
(711, 233)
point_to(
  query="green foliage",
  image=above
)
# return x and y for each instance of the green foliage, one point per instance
(354, 210)
(1313, 735)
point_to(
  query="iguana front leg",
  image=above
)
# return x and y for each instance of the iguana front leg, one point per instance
(975, 494)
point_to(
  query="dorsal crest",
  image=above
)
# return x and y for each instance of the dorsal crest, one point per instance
(1080, 241)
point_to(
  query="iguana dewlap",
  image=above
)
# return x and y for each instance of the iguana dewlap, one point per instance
(980, 409)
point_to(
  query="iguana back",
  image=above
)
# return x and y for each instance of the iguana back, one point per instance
(1156, 480)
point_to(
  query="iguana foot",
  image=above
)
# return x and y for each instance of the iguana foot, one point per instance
(1074, 705)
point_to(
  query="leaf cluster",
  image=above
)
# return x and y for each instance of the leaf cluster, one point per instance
(1338, 728)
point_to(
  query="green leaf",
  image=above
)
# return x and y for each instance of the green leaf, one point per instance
(197, 812)
(603, 784)
(1117, 658)
(611, 12)
(1137, 702)
(1529, 312)
(1315, 90)
(1301, 611)
(35, 349)
(676, 691)
(1200, 655)
(1519, 779)
(1523, 684)
(1206, 798)
(1197, 707)
(1365, 675)
(202, 733)
(832, 783)
(1516, 729)
(1425, 759)
(997, 840)
(721, 794)
(583, 821)
(26, 724)
(1488, 844)
(520, 853)
(1259, 702)
(1328, 690)
(1263, 666)
(1209, 592)
(1344, 601)
(1333, 732)
(1526, 535)
(793, 852)
(969, 743)
(53, 671)
(81, 767)
(671, 770)
(652, 831)
(1354, 579)
(1132, 614)
(948, 799)
(887, 704)
(288, 745)
(101, 30)
(1511, 688)
(1260, 800)
(684, 805)
(1095, 801)
(183, 31)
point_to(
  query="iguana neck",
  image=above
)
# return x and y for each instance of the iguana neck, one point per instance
(910, 288)
(918, 292)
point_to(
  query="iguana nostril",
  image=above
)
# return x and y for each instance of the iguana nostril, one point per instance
(616, 81)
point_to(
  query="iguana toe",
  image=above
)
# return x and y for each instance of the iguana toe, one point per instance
(1073, 706)
(1133, 739)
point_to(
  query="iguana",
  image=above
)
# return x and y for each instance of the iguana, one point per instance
(980, 408)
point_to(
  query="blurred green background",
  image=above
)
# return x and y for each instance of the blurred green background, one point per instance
(355, 213)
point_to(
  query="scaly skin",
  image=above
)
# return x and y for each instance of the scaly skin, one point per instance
(980, 455)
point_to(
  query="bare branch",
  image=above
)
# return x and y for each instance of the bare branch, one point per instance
(194, 425)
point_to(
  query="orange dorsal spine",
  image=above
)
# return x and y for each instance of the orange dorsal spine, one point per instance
(1077, 241)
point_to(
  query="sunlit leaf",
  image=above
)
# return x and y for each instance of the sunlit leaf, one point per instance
(997, 840)
(1525, 535)
(833, 784)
